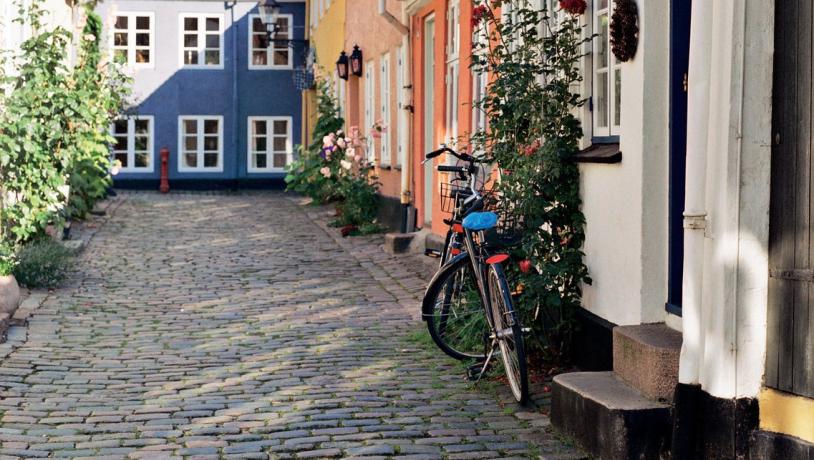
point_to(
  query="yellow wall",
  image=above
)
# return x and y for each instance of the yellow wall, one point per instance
(787, 414)
(328, 38)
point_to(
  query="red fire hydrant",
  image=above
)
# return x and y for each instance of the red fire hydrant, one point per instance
(164, 186)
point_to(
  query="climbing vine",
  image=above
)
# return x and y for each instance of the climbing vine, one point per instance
(532, 56)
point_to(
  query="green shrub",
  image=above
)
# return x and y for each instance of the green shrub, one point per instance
(7, 259)
(43, 263)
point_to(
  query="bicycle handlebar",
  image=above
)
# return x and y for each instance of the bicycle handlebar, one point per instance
(457, 169)
(444, 149)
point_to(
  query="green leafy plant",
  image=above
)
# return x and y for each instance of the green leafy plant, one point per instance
(532, 56)
(8, 260)
(43, 263)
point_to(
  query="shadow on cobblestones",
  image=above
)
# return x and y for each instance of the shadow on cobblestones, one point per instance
(235, 326)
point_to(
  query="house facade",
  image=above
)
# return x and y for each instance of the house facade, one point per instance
(58, 13)
(209, 87)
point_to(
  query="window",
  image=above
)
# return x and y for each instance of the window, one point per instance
(269, 143)
(133, 145)
(370, 86)
(134, 39)
(384, 95)
(452, 71)
(607, 77)
(264, 54)
(202, 41)
(200, 143)
(480, 38)
(339, 92)
(402, 113)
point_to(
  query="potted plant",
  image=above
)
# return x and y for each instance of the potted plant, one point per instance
(9, 289)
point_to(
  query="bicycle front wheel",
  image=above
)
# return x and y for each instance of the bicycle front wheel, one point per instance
(454, 311)
(509, 333)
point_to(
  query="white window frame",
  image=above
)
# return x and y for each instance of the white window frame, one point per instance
(272, 46)
(131, 144)
(452, 72)
(200, 143)
(370, 93)
(202, 32)
(385, 112)
(269, 152)
(607, 73)
(131, 39)
(401, 152)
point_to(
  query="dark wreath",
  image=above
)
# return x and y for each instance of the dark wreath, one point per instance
(624, 30)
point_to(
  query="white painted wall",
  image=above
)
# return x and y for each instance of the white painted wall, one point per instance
(58, 13)
(728, 358)
(625, 204)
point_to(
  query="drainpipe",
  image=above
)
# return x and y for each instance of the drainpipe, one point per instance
(406, 168)
(695, 214)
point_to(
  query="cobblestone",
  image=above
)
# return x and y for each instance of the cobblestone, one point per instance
(241, 326)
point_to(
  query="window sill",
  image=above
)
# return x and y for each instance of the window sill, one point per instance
(600, 153)
(387, 167)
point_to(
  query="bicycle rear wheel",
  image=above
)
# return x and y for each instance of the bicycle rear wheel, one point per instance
(454, 311)
(509, 333)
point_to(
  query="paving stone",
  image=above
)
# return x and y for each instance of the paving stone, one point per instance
(240, 325)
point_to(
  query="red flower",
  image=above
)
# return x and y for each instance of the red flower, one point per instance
(478, 13)
(575, 7)
(525, 265)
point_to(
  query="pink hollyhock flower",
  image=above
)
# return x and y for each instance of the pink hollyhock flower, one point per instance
(341, 143)
(326, 171)
(327, 141)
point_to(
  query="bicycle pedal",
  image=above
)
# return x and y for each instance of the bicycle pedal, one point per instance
(432, 253)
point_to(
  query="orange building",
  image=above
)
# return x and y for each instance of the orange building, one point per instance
(441, 42)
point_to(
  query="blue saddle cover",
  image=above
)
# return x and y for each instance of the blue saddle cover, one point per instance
(477, 221)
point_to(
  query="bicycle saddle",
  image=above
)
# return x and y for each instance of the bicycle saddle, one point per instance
(478, 221)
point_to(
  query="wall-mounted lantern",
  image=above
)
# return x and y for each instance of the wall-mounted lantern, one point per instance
(342, 66)
(356, 61)
(269, 11)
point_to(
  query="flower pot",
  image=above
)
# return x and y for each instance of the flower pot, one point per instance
(9, 294)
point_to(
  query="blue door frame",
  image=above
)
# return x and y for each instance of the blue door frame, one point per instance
(680, 12)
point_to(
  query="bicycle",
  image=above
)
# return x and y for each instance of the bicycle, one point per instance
(470, 297)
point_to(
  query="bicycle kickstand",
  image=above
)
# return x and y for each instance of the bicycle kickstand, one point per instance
(479, 369)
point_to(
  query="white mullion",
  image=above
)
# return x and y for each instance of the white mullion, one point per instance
(131, 143)
(199, 148)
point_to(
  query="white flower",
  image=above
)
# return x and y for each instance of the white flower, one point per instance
(350, 153)
(326, 171)
(346, 164)
(89, 37)
(327, 141)
(341, 143)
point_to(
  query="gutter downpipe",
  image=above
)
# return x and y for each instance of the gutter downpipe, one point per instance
(406, 70)
(695, 214)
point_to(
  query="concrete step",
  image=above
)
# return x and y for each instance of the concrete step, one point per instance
(646, 357)
(607, 418)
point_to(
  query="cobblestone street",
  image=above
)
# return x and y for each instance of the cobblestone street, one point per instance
(236, 326)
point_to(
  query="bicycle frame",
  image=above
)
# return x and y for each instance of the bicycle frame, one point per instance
(479, 268)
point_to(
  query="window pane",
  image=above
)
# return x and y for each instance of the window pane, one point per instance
(260, 41)
(257, 25)
(120, 126)
(282, 27)
(279, 144)
(143, 22)
(121, 143)
(190, 57)
(190, 23)
(190, 40)
(120, 39)
(617, 97)
(142, 56)
(260, 58)
(190, 126)
(191, 160)
(280, 127)
(260, 144)
(142, 39)
(602, 99)
(281, 57)
(142, 160)
(259, 127)
(211, 126)
(121, 22)
(141, 143)
(122, 157)
(191, 143)
(211, 143)
(212, 57)
(212, 41)
(601, 4)
(210, 160)
(120, 56)
(602, 43)
(280, 160)
(260, 161)
(212, 24)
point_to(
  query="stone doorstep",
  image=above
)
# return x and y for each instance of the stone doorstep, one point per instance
(398, 243)
(607, 418)
(29, 305)
(646, 357)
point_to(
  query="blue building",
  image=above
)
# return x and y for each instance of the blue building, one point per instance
(210, 87)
